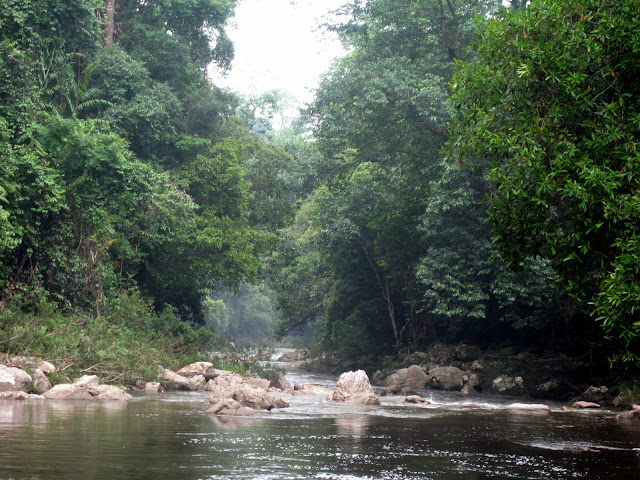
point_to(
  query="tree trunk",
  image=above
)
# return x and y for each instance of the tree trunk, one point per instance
(111, 14)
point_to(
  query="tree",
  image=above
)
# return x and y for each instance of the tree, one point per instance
(549, 111)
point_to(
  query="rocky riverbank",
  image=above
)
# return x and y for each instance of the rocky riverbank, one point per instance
(470, 370)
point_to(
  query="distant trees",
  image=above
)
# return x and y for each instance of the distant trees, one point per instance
(392, 250)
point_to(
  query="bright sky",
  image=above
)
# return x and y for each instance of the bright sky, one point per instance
(278, 46)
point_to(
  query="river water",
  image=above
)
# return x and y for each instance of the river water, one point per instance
(169, 436)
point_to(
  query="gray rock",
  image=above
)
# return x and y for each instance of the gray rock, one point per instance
(468, 390)
(247, 396)
(66, 391)
(13, 379)
(109, 392)
(153, 387)
(87, 381)
(197, 368)
(282, 383)
(505, 385)
(259, 383)
(415, 399)
(413, 376)
(600, 395)
(172, 379)
(41, 383)
(446, 378)
(354, 387)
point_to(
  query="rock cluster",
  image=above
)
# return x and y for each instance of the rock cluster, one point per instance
(231, 395)
(17, 384)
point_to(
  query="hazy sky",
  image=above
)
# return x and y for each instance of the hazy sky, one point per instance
(278, 46)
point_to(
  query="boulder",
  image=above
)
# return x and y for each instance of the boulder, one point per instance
(413, 376)
(258, 399)
(281, 382)
(198, 381)
(66, 391)
(446, 378)
(41, 383)
(308, 389)
(259, 383)
(153, 387)
(172, 379)
(225, 377)
(505, 385)
(468, 390)
(87, 381)
(197, 368)
(13, 379)
(109, 392)
(229, 406)
(415, 399)
(391, 390)
(600, 395)
(354, 387)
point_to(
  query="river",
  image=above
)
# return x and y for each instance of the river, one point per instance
(169, 436)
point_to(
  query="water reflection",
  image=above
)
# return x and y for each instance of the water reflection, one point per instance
(171, 437)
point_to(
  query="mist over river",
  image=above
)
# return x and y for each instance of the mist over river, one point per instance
(169, 436)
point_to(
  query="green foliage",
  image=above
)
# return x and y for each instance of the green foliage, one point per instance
(550, 107)
(128, 345)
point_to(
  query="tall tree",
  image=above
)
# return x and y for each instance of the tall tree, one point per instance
(550, 108)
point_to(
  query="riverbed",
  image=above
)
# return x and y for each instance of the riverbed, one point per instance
(169, 436)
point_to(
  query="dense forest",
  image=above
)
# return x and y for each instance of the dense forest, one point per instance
(468, 172)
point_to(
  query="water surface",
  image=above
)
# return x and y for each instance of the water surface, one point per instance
(170, 436)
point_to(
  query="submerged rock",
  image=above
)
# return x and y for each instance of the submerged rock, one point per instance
(354, 387)
(19, 395)
(415, 399)
(582, 405)
(230, 406)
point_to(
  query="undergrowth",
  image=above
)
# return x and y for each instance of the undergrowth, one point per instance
(127, 344)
